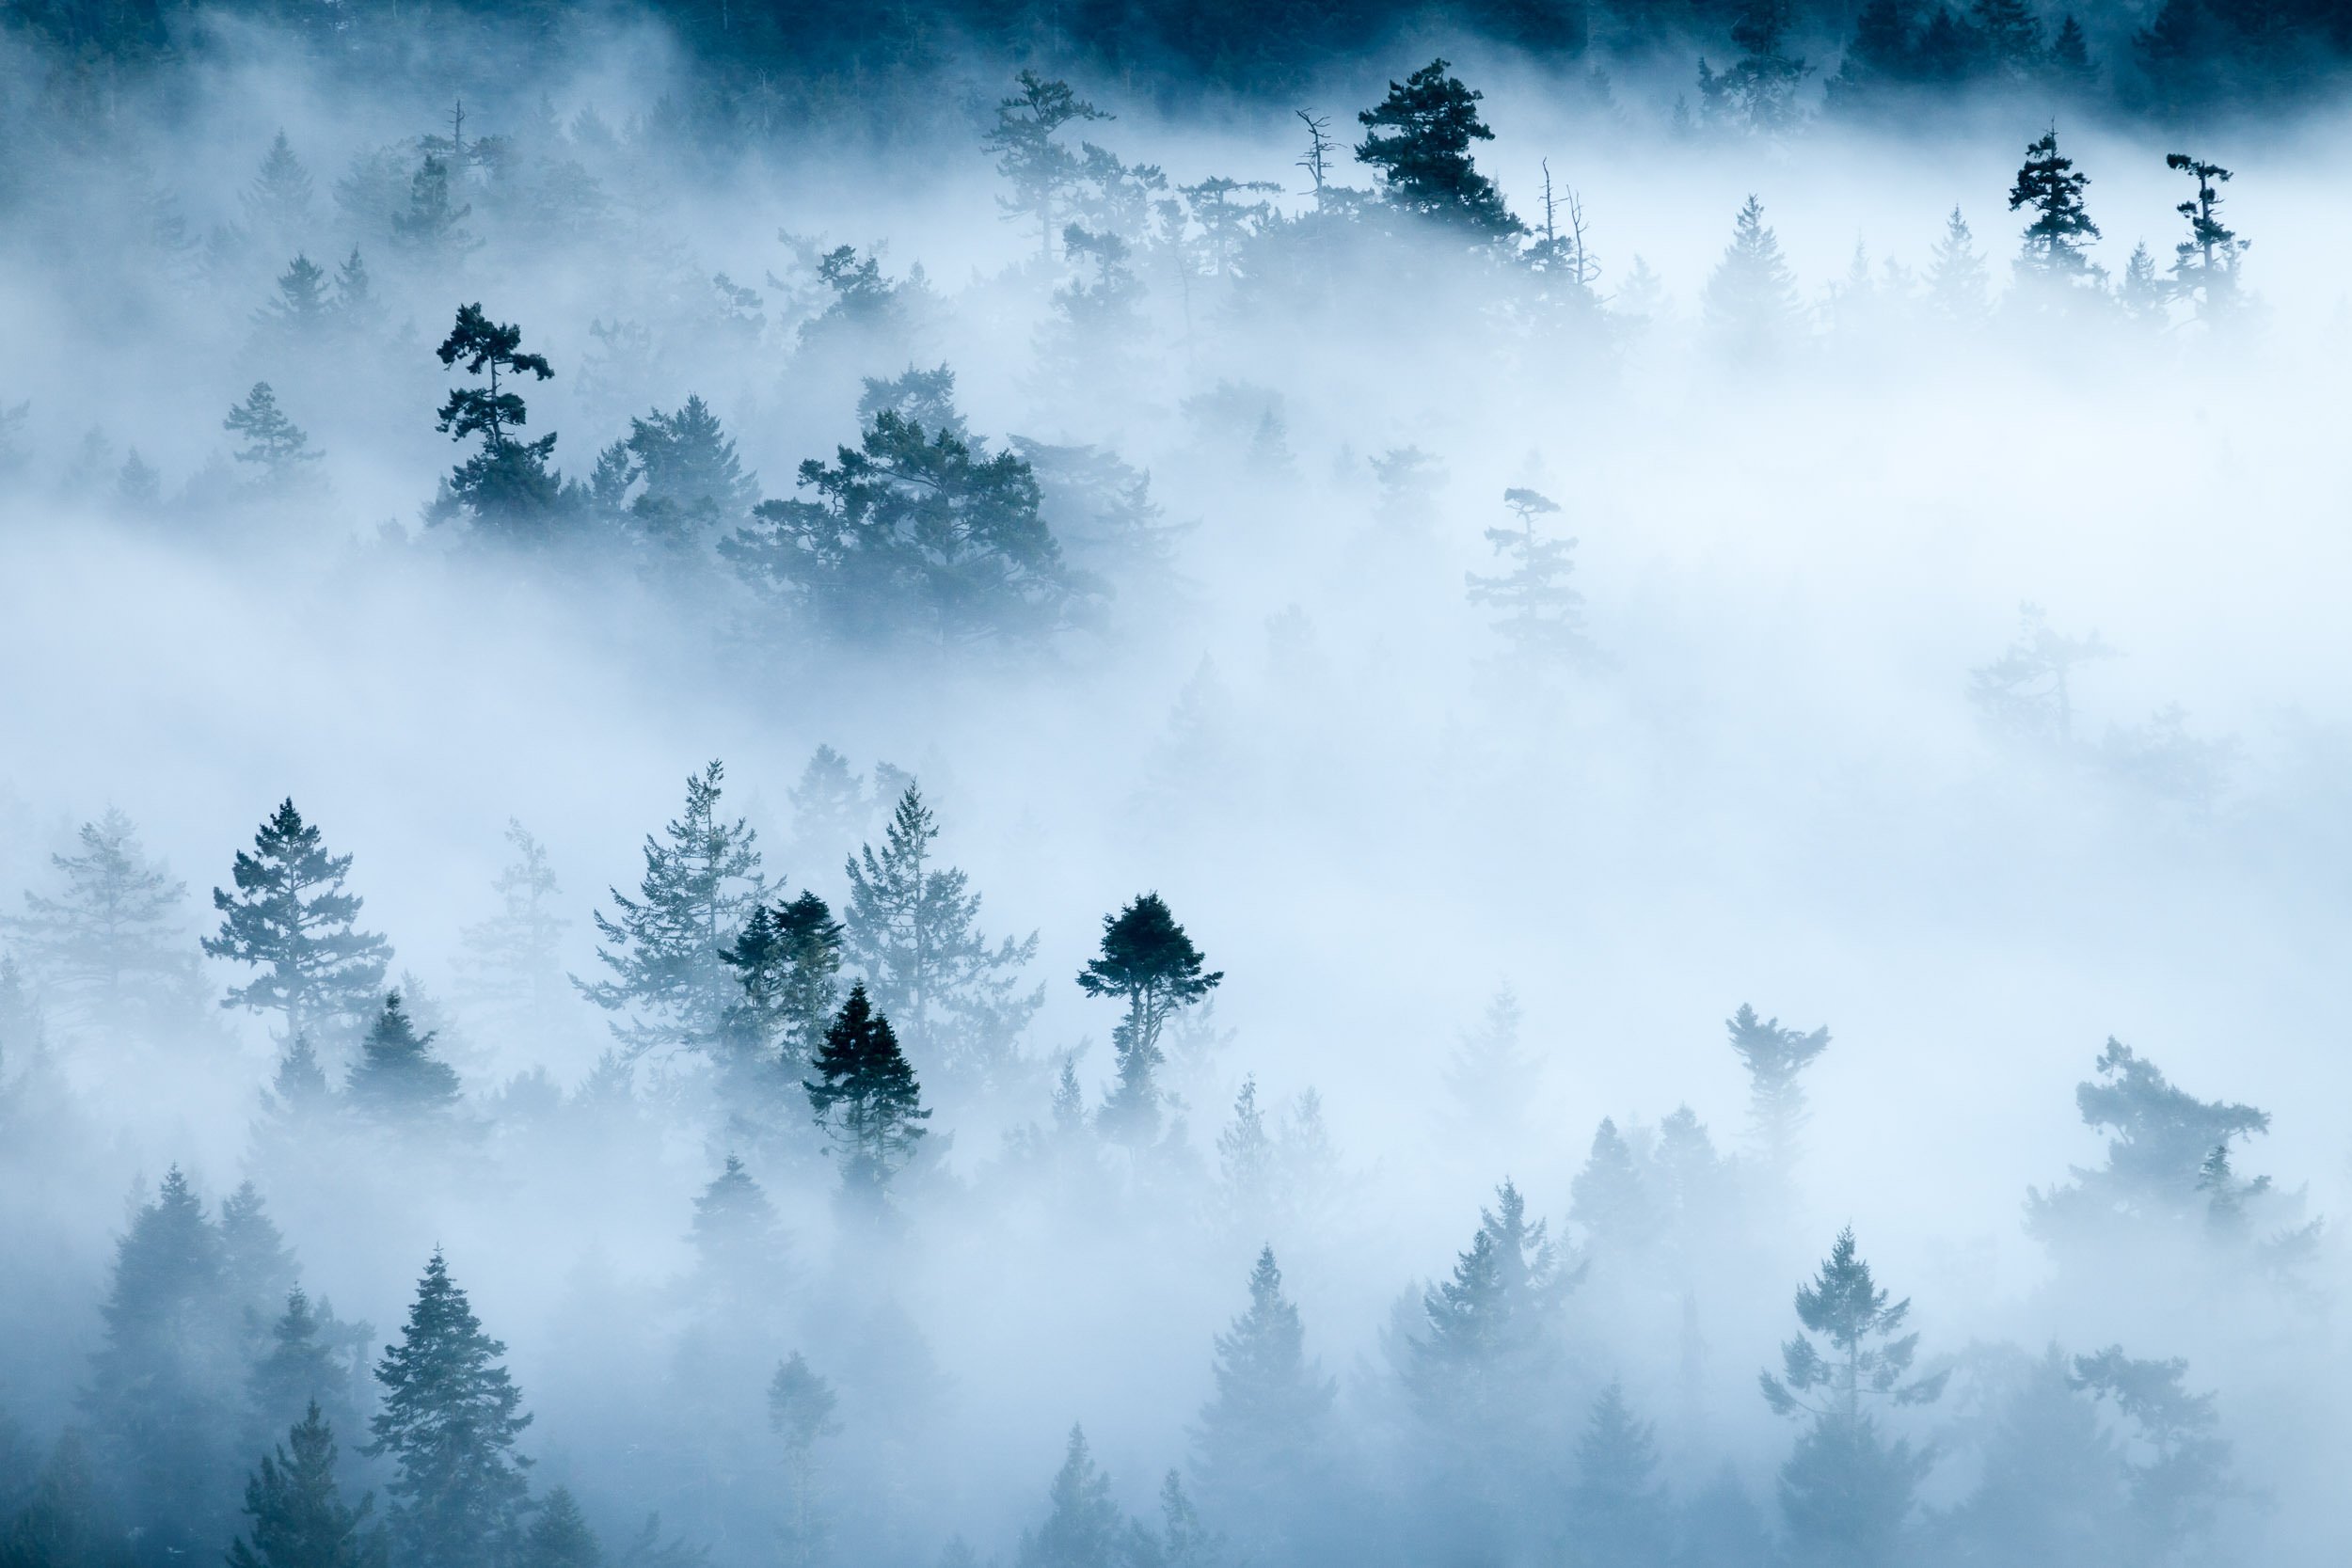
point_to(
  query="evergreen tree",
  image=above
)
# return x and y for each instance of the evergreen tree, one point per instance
(736, 1237)
(397, 1081)
(1247, 1160)
(64, 1522)
(908, 930)
(691, 481)
(1083, 1527)
(302, 1366)
(300, 314)
(1256, 1443)
(1775, 1058)
(2140, 292)
(1492, 1077)
(829, 808)
(278, 203)
(2070, 53)
(432, 229)
(256, 1269)
(1757, 92)
(449, 1420)
(1418, 137)
(107, 947)
(788, 962)
(274, 444)
(506, 486)
(1956, 277)
(2029, 690)
(1148, 962)
(1536, 610)
(801, 1407)
(355, 293)
(1040, 168)
(1617, 1507)
(559, 1536)
(2051, 1487)
(2176, 1468)
(1609, 1200)
(291, 919)
(510, 959)
(667, 976)
(866, 1097)
(2010, 35)
(2204, 265)
(1750, 304)
(1847, 1491)
(299, 1519)
(2061, 226)
(298, 1092)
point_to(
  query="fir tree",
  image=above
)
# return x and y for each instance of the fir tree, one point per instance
(278, 203)
(1757, 92)
(449, 1420)
(256, 1270)
(1255, 1444)
(510, 959)
(1775, 1058)
(691, 481)
(301, 1367)
(1148, 962)
(1247, 1160)
(1617, 1507)
(1083, 1527)
(559, 1536)
(432, 229)
(107, 947)
(2053, 241)
(397, 1081)
(788, 963)
(801, 1407)
(506, 486)
(736, 1237)
(1040, 168)
(291, 919)
(299, 1519)
(300, 314)
(64, 1523)
(2010, 35)
(2204, 265)
(1536, 612)
(1750, 303)
(298, 1092)
(1418, 137)
(2070, 53)
(274, 444)
(667, 976)
(829, 808)
(1956, 277)
(908, 930)
(866, 1097)
(1609, 1200)
(355, 293)
(2141, 294)
(1492, 1077)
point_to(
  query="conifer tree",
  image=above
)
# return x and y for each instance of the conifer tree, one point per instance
(1255, 1442)
(1609, 1200)
(1418, 137)
(2029, 690)
(559, 1536)
(256, 1269)
(2070, 53)
(2140, 292)
(736, 1237)
(1617, 1507)
(397, 1081)
(510, 959)
(291, 919)
(1148, 962)
(432, 229)
(107, 947)
(1247, 1160)
(1956, 277)
(2204, 265)
(788, 963)
(2010, 35)
(355, 293)
(299, 1519)
(1040, 168)
(64, 1522)
(667, 976)
(302, 1366)
(1536, 612)
(1491, 1077)
(2177, 1469)
(691, 481)
(1757, 92)
(274, 444)
(298, 1092)
(506, 486)
(448, 1422)
(278, 203)
(1750, 302)
(1775, 1057)
(829, 808)
(2061, 226)
(867, 1099)
(909, 931)
(1846, 1491)
(1083, 1528)
(300, 314)
(801, 1407)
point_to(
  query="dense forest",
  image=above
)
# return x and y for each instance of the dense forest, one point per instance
(1519, 787)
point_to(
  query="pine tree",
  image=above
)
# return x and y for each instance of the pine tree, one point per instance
(2140, 294)
(274, 444)
(300, 315)
(291, 919)
(1750, 304)
(692, 480)
(299, 1519)
(278, 203)
(1956, 277)
(801, 1407)
(1256, 1443)
(1148, 962)
(1775, 1057)
(2177, 1469)
(449, 1421)
(1757, 92)
(108, 946)
(510, 959)
(736, 1237)
(2061, 226)
(2029, 690)
(1418, 137)
(1083, 1527)
(559, 1536)
(2204, 265)
(1617, 1507)
(867, 1099)
(1536, 612)
(1039, 169)
(397, 1081)
(1846, 1491)
(432, 229)
(506, 486)
(668, 977)
(908, 930)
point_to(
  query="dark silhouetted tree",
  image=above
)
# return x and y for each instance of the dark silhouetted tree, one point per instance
(397, 1081)
(1418, 137)
(2062, 227)
(506, 486)
(291, 919)
(1148, 963)
(867, 1099)
(2204, 265)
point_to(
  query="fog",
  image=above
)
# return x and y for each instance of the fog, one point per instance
(1773, 758)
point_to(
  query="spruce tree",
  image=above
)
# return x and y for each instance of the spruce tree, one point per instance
(788, 963)
(300, 314)
(2204, 265)
(109, 945)
(1610, 1201)
(1750, 303)
(2062, 227)
(560, 1536)
(299, 1519)
(274, 444)
(737, 1245)
(1040, 168)
(2140, 292)
(1256, 1444)
(1846, 1491)
(910, 932)
(1148, 962)
(667, 976)
(291, 919)
(1617, 1507)
(302, 1366)
(1418, 137)
(256, 1269)
(1247, 1159)
(801, 1407)
(1775, 1058)
(278, 204)
(398, 1082)
(1956, 277)
(448, 1423)
(829, 808)
(2010, 34)
(431, 230)
(1084, 1526)
(1536, 612)
(298, 1092)
(867, 1099)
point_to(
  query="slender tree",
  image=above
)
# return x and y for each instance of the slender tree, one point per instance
(510, 960)
(1149, 964)
(275, 445)
(109, 945)
(1040, 168)
(1257, 1441)
(1535, 613)
(867, 1099)
(299, 1518)
(1750, 303)
(801, 1407)
(1956, 277)
(1084, 1526)
(1775, 1058)
(2204, 265)
(291, 920)
(2048, 185)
